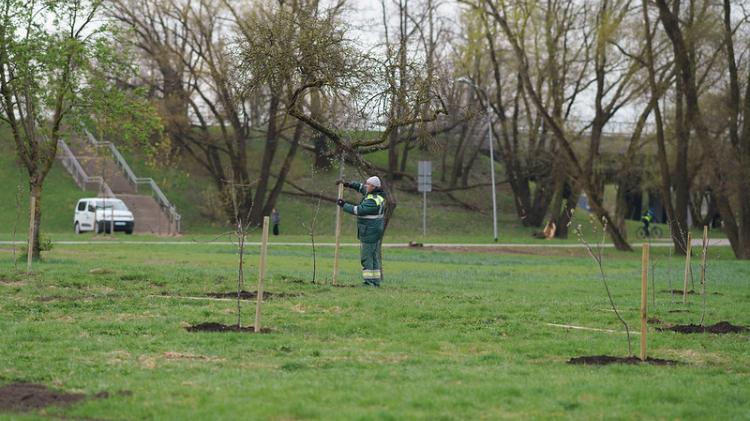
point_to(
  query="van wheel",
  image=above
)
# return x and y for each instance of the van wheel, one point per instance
(78, 228)
(99, 228)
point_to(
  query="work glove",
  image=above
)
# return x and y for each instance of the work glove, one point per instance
(340, 202)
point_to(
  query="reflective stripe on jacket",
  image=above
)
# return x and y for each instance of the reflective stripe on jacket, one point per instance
(369, 213)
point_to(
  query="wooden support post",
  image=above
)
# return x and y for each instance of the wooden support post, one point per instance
(338, 236)
(687, 267)
(703, 259)
(644, 300)
(262, 273)
(30, 245)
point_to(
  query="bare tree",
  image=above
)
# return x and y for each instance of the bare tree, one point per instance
(579, 167)
(724, 148)
(188, 48)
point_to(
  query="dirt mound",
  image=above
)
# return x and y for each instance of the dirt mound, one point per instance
(24, 397)
(718, 328)
(218, 327)
(606, 359)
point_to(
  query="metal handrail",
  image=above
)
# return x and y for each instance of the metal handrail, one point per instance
(70, 162)
(155, 190)
(74, 167)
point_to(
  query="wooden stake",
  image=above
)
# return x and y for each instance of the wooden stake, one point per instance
(703, 259)
(30, 246)
(338, 235)
(687, 267)
(262, 273)
(644, 300)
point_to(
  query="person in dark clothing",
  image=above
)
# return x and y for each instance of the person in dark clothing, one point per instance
(276, 220)
(369, 214)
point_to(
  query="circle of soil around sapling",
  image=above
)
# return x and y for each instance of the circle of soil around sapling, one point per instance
(218, 327)
(718, 328)
(24, 397)
(245, 295)
(606, 360)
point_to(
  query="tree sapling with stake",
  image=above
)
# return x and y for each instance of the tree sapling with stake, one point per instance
(596, 254)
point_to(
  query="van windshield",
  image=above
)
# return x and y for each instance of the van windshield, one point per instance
(115, 204)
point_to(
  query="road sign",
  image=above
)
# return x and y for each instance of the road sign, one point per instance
(424, 176)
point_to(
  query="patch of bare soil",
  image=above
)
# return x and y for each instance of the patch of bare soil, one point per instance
(24, 397)
(606, 359)
(218, 327)
(718, 328)
(245, 295)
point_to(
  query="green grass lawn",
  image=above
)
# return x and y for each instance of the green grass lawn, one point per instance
(450, 336)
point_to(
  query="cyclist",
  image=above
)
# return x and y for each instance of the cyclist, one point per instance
(647, 218)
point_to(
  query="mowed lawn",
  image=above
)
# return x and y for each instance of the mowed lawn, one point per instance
(452, 335)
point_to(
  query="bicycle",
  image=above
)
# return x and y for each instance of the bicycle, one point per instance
(655, 232)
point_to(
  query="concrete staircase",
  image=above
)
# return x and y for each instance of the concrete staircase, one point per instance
(150, 216)
(102, 166)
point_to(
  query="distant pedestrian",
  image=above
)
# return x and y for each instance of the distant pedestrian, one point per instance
(369, 214)
(647, 218)
(276, 220)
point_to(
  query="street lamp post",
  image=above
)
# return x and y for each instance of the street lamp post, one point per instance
(492, 154)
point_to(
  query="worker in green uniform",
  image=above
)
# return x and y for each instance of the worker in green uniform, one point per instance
(369, 214)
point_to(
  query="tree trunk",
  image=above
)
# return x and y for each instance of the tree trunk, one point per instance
(322, 158)
(35, 188)
(284, 170)
(458, 159)
(272, 143)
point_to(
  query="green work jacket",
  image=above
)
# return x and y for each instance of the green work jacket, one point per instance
(369, 213)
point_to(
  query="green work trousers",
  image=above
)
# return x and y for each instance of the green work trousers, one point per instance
(370, 264)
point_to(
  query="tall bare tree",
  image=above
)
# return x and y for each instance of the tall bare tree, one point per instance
(579, 168)
(188, 47)
(724, 147)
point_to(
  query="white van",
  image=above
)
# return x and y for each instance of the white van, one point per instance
(101, 213)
